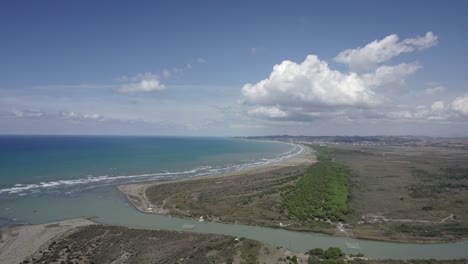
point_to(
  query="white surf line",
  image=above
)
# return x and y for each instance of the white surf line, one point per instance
(63, 183)
(21, 188)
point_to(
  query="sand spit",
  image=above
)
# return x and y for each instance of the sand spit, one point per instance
(19, 242)
(136, 192)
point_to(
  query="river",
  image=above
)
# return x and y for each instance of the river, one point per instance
(109, 206)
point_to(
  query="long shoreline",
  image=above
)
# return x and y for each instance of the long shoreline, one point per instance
(201, 171)
(135, 192)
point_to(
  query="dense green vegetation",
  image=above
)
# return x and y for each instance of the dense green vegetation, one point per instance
(321, 193)
(288, 260)
(332, 255)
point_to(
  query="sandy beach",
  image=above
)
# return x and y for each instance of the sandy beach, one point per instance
(19, 242)
(136, 192)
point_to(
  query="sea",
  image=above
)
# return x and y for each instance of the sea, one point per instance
(45, 167)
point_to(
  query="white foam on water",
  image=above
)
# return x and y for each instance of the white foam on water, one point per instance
(22, 189)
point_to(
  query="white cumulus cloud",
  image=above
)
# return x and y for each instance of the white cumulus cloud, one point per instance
(379, 51)
(389, 76)
(141, 83)
(438, 106)
(311, 82)
(312, 90)
(438, 110)
(460, 105)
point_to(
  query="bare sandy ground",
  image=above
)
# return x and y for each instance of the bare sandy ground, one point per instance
(136, 192)
(19, 242)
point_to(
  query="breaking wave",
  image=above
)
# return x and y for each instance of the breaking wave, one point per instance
(90, 182)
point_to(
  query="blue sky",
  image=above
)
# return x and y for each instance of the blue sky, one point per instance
(196, 67)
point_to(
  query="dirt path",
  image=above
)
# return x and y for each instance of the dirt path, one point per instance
(372, 218)
(340, 227)
(450, 217)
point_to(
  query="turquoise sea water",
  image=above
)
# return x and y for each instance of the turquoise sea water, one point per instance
(34, 165)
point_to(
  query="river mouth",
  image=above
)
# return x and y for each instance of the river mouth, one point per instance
(109, 206)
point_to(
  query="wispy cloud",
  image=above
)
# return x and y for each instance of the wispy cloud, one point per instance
(144, 82)
(141, 83)
(166, 74)
(81, 116)
(151, 82)
(72, 116)
(379, 51)
(73, 86)
(435, 90)
(27, 113)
